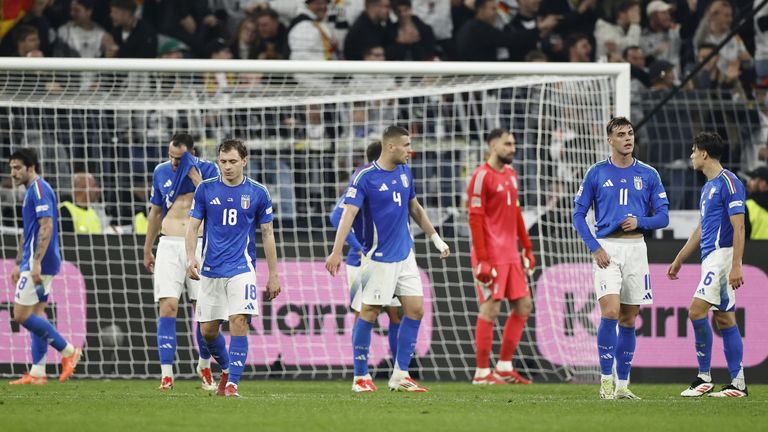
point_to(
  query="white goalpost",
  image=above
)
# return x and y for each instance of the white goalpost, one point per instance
(306, 125)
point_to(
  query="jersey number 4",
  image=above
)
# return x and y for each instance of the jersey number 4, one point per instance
(623, 196)
(396, 198)
(229, 217)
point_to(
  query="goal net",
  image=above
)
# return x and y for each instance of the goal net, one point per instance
(306, 125)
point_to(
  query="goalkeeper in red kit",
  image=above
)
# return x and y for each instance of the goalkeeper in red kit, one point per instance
(496, 223)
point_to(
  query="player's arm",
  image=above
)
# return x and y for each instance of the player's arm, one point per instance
(419, 215)
(16, 273)
(154, 222)
(190, 244)
(525, 242)
(584, 198)
(335, 218)
(43, 240)
(690, 247)
(270, 252)
(333, 262)
(736, 278)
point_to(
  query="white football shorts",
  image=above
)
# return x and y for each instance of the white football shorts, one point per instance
(380, 282)
(27, 294)
(220, 298)
(714, 287)
(627, 274)
(170, 277)
(353, 282)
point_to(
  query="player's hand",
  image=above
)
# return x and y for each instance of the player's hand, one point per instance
(34, 272)
(332, 263)
(445, 250)
(15, 275)
(193, 268)
(629, 224)
(273, 286)
(485, 273)
(529, 260)
(149, 262)
(601, 258)
(736, 278)
(673, 269)
(194, 176)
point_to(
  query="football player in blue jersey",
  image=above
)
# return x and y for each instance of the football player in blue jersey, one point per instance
(382, 194)
(628, 199)
(173, 185)
(233, 207)
(354, 261)
(720, 234)
(37, 262)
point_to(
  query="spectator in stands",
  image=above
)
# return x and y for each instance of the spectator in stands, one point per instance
(579, 17)
(761, 47)
(172, 49)
(34, 17)
(190, 21)
(437, 15)
(370, 29)
(27, 42)
(272, 37)
(81, 37)
(578, 48)
(757, 204)
(309, 37)
(133, 37)
(530, 28)
(611, 39)
(536, 56)
(712, 78)
(79, 216)
(635, 56)
(663, 38)
(479, 39)
(714, 28)
(662, 75)
(413, 39)
(460, 14)
(243, 44)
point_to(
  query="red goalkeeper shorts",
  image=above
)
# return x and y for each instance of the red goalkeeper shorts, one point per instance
(510, 283)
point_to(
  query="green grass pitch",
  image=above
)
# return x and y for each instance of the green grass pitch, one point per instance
(305, 406)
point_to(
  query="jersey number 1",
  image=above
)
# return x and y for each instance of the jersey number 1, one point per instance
(623, 196)
(229, 217)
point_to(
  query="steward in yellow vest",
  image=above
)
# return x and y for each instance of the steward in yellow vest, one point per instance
(757, 204)
(79, 220)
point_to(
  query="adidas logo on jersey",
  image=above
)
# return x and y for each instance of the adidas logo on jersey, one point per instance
(249, 307)
(500, 188)
(383, 187)
(215, 201)
(168, 183)
(608, 183)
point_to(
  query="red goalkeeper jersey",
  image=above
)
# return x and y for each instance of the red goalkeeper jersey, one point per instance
(492, 195)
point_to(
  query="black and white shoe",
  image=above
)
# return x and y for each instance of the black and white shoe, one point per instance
(698, 388)
(731, 390)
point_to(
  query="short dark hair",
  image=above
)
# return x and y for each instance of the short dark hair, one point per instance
(22, 32)
(182, 139)
(268, 13)
(369, 3)
(572, 39)
(233, 144)
(617, 122)
(494, 134)
(373, 151)
(129, 5)
(711, 143)
(627, 49)
(406, 3)
(706, 45)
(480, 3)
(625, 5)
(392, 132)
(370, 49)
(28, 157)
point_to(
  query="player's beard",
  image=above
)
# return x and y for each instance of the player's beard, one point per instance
(506, 160)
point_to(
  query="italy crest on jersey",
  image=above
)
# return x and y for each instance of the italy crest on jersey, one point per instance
(638, 183)
(404, 180)
(245, 202)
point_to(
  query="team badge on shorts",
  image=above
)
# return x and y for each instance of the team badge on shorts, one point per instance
(404, 180)
(245, 202)
(638, 183)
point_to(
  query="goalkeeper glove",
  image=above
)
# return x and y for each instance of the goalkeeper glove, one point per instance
(529, 260)
(485, 273)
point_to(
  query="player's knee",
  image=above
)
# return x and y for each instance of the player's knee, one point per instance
(394, 315)
(610, 313)
(20, 314)
(209, 332)
(168, 308)
(238, 325)
(523, 307)
(627, 320)
(697, 313)
(725, 320)
(489, 314)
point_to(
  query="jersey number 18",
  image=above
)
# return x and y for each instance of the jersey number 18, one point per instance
(229, 217)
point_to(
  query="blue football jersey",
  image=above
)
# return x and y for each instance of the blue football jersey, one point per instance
(721, 198)
(231, 215)
(355, 248)
(383, 198)
(165, 179)
(617, 193)
(40, 202)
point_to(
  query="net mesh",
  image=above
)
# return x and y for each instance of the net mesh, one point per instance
(306, 133)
